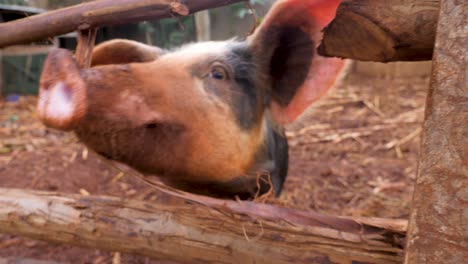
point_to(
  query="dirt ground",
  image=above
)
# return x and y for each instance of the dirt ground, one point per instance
(353, 153)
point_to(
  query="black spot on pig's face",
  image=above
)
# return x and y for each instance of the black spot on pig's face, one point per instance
(231, 76)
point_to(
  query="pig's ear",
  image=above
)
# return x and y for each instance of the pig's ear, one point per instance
(62, 91)
(285, 46)
(123, 51)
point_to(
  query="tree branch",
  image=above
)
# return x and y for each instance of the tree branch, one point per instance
(97, 14)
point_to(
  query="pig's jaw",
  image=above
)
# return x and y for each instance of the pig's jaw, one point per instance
(273, 156)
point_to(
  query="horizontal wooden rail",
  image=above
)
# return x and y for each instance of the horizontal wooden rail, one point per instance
(97, 14)
(201, 229)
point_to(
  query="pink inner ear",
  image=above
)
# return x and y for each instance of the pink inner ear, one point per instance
(314, 15)
(323, 75)
(322, 11)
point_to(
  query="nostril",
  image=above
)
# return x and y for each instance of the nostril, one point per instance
(151, 125)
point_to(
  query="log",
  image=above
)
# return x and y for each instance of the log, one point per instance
(97, 14)
(438, 230)
(200, 229)
(382, 30)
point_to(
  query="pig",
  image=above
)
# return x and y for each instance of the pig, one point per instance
(207, 117)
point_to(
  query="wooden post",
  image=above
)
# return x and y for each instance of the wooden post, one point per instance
(203, 25)
(438, 230)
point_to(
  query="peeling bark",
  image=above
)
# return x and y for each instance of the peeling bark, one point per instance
(200, 229)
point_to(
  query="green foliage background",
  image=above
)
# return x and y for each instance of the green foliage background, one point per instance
(14, 2)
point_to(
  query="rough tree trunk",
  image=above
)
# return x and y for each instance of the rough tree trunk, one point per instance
(438, 230)
(201, 229)
(382, 30)
(96, 14)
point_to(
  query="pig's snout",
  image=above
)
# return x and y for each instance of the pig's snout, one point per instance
(62, 91)
(55, 103)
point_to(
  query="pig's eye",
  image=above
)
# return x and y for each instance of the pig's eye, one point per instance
(218, 72)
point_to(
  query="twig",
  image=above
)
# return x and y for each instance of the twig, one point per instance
(398, 152)
(84, 192)
(118, 177)
(263, 197)
(84, 50)
(257, 237)
(374, 109)
(291, 134)
(407, 117)
(346, 133)
(116, 258)
(407, 138)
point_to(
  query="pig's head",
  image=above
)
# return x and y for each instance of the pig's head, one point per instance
(206, 117)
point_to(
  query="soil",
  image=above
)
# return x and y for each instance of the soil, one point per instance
(353, 153)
